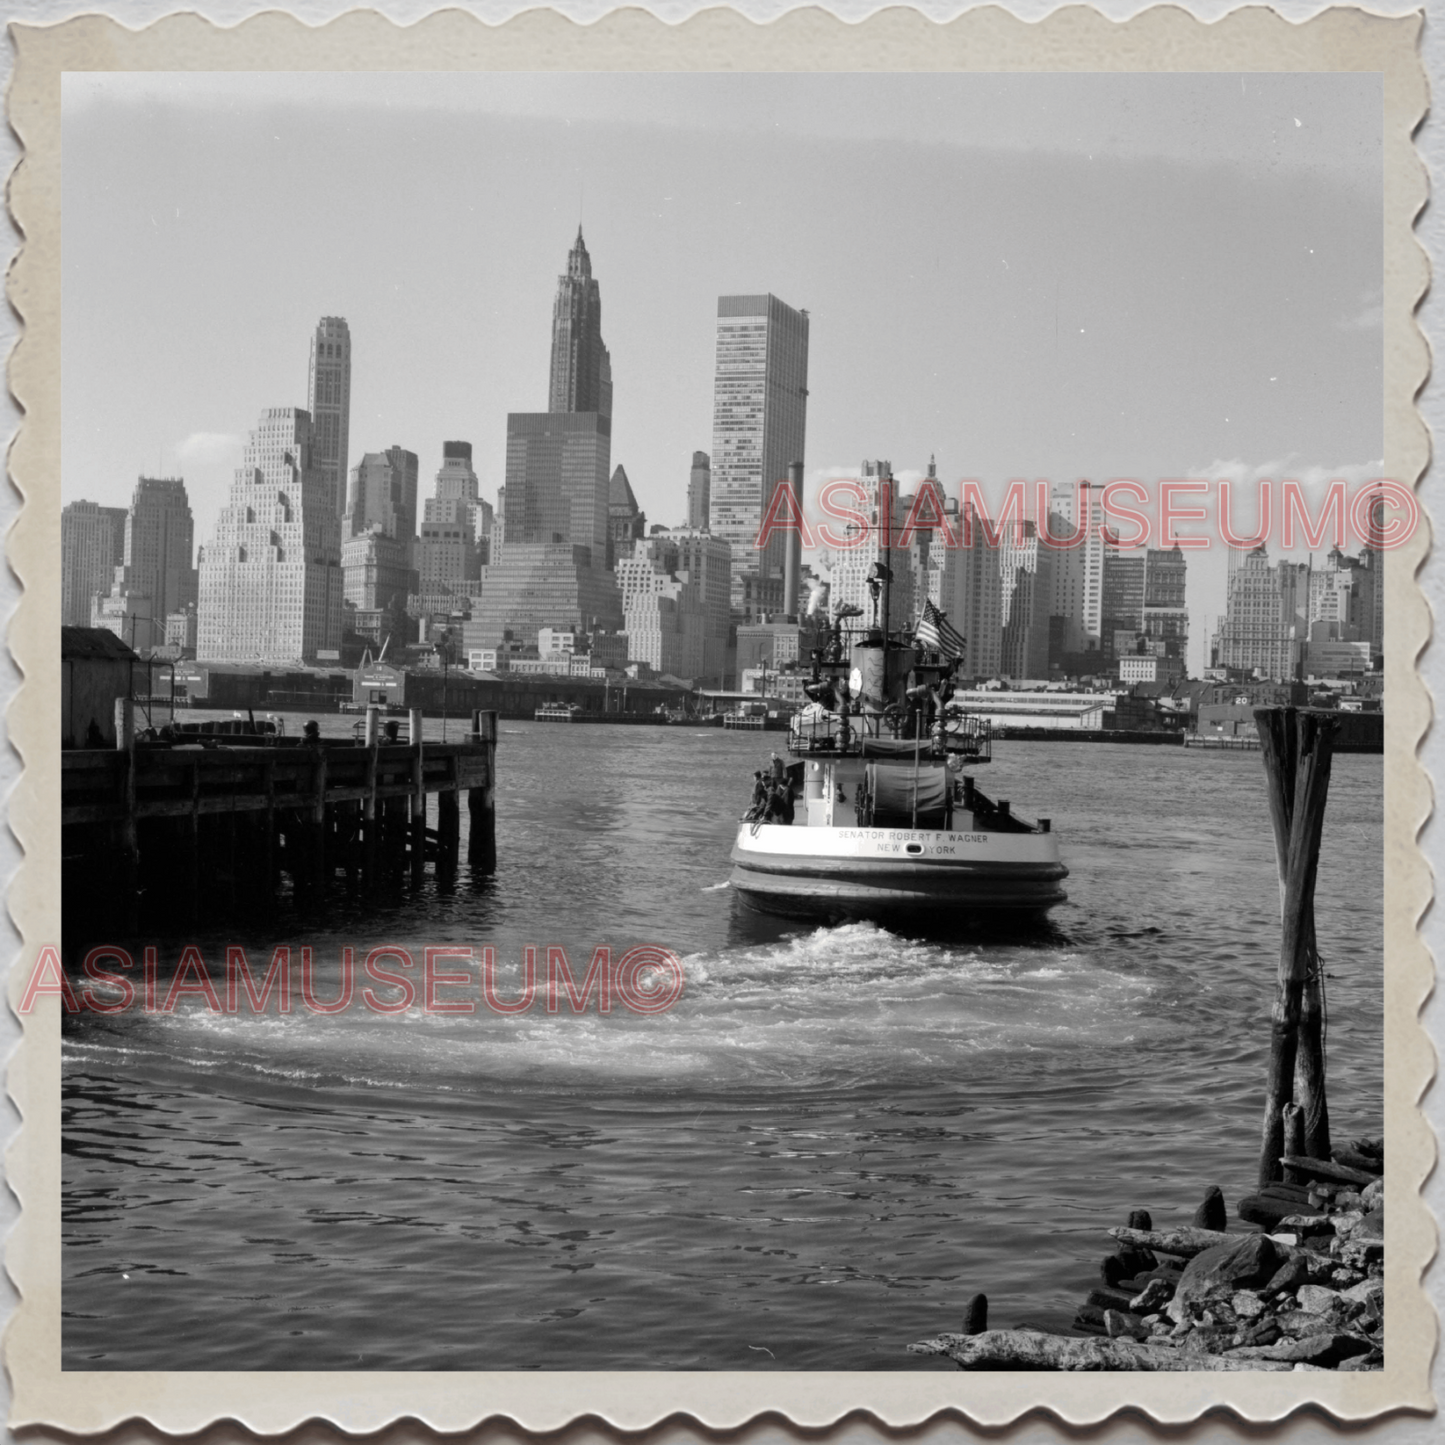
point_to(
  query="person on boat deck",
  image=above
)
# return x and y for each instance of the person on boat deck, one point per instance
(392, 729)
(779, 768)
(780, 803)
(311, 733)
(759, 804)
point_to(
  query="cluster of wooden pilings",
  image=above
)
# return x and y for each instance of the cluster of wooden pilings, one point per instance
(161, 838)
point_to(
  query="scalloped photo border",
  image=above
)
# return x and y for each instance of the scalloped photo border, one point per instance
(1074, 39)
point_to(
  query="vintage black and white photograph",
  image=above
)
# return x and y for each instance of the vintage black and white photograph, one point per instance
(723, 722)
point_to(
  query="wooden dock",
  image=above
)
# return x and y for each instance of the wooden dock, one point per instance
(167, 837)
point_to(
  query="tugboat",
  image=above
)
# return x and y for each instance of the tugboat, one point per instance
(889, 824)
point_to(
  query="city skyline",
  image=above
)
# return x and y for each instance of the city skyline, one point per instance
(1051, 304)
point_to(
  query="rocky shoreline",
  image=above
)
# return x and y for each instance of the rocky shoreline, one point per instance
(1302, 1291)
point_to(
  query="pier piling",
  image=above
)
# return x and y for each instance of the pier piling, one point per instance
(481, 802)
(418, 799)
(1296, 746)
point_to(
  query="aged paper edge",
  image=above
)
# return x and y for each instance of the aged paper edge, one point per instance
(1078, 38)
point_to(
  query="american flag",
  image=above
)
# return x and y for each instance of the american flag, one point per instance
(934, 630)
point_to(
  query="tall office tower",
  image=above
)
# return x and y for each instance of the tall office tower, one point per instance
(877, 541)
(977, 610)
(1143, 604)
(1166, 618)
(663, 610)
(92, 546)
(1026, 572)
(706, 562)
(626, 521)
(160, 545)
(553, 571)
(933, 561)
(447, 562)
(699, 492)
(1265, 625)
(760, 412)
(329, 399)
(558, 490)
(383, 495)
(457, 498)
(271, 584)
(581, 376)
(1078, 570)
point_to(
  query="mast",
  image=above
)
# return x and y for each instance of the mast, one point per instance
(885, 503)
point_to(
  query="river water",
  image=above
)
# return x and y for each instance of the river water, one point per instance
(832, 1140)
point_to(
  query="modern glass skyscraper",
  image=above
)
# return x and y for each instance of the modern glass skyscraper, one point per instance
(581, 378)
(760, 412)
(329, 401)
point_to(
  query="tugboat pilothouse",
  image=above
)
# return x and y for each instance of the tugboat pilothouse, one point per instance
(879, 817)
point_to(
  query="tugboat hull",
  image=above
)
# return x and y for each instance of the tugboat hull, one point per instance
(888, 872)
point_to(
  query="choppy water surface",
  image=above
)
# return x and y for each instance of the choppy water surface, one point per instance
(832, 1141)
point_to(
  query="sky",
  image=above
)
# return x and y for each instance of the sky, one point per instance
(1024, 276)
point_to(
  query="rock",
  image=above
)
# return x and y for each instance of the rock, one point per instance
(1140, 1219)
(1375, 1360)
(1326, 1350)
(1247, 1263)
(1347, 1222)
(1264, 1331)
(1306, 1223)
(1289, 1276)
(1299, 1323)
(1212, 1214)
(1316, 1298)
(1373, 1194)
(975, 1315)
(1372, 1225)
(1124, 1326)
(1364, 1291)
(1347, 1199)
(1246, 1304)
(1156, 1293)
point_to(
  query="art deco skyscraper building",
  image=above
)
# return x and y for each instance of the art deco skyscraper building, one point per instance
(271, 585)
(581, 378)
(553, 568)
(760, 412)
(329, 400)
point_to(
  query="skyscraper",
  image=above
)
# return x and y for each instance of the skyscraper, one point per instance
(879, 542)
(553, 570)
(1266, 626)
(383, 495)
(160, 544)
(329, 399)
(581, 377)
(760, 409)
(92, 546)
(457, 498)
(1078, 570)
(271, 577)
(455, 532)
(699, 492)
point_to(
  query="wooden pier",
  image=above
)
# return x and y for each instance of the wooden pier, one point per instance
(163, 838)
